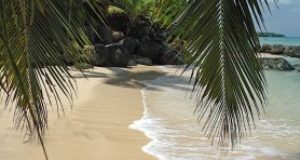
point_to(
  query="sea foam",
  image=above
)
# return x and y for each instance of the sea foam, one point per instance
(174, 135)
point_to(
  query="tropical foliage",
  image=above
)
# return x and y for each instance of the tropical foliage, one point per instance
(160, 11)
(37, 36)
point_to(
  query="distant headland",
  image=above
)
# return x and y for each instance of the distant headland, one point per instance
(270, 34)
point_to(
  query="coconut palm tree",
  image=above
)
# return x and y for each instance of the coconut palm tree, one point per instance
(37, 36)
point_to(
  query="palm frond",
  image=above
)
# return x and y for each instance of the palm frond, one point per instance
(36, 36)
(222, 43)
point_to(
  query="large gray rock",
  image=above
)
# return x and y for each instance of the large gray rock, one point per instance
(145, 39)
(276, 64)
(172, 57)
(117, 36)
(140, 27)
(277, 49)
(103, 35)
(118, 55)
(100, 57)
(289, 50)
(142, 60)
(145, 31)
(132, 62)
(150, 49)
(158, 34)
(292, 51)
(266, 48)
(130, 44)
(297, 67)
(296, 52)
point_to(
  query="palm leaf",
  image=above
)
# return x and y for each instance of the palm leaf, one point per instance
(228, 76)
(35, 38)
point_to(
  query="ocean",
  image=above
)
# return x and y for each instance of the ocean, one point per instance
(169, 122)
(290, 41)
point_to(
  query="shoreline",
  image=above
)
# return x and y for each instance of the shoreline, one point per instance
(97, 127)
(136, 125)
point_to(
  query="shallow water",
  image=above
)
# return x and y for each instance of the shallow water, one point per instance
(169, 121)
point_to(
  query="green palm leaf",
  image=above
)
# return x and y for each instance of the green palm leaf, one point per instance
(228, 76)
(35, 39)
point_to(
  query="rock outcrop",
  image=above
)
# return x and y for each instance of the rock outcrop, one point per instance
(141, 42)
(101, 55)
(131, 44)
(103, 35)
(292, 51)
(266, 48)
(276, 64)
(118, 55)
(297, 67)
(296, 52)
(150, 49)
(142, 60)
(278, 49)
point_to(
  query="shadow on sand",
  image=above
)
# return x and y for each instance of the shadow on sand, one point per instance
(135, 77)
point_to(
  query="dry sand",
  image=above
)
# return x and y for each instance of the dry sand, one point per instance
(97, 126)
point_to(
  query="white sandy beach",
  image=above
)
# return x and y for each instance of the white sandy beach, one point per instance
(97, 126)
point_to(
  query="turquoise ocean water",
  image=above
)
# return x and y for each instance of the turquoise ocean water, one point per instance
(170, 124)
(293, 41)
